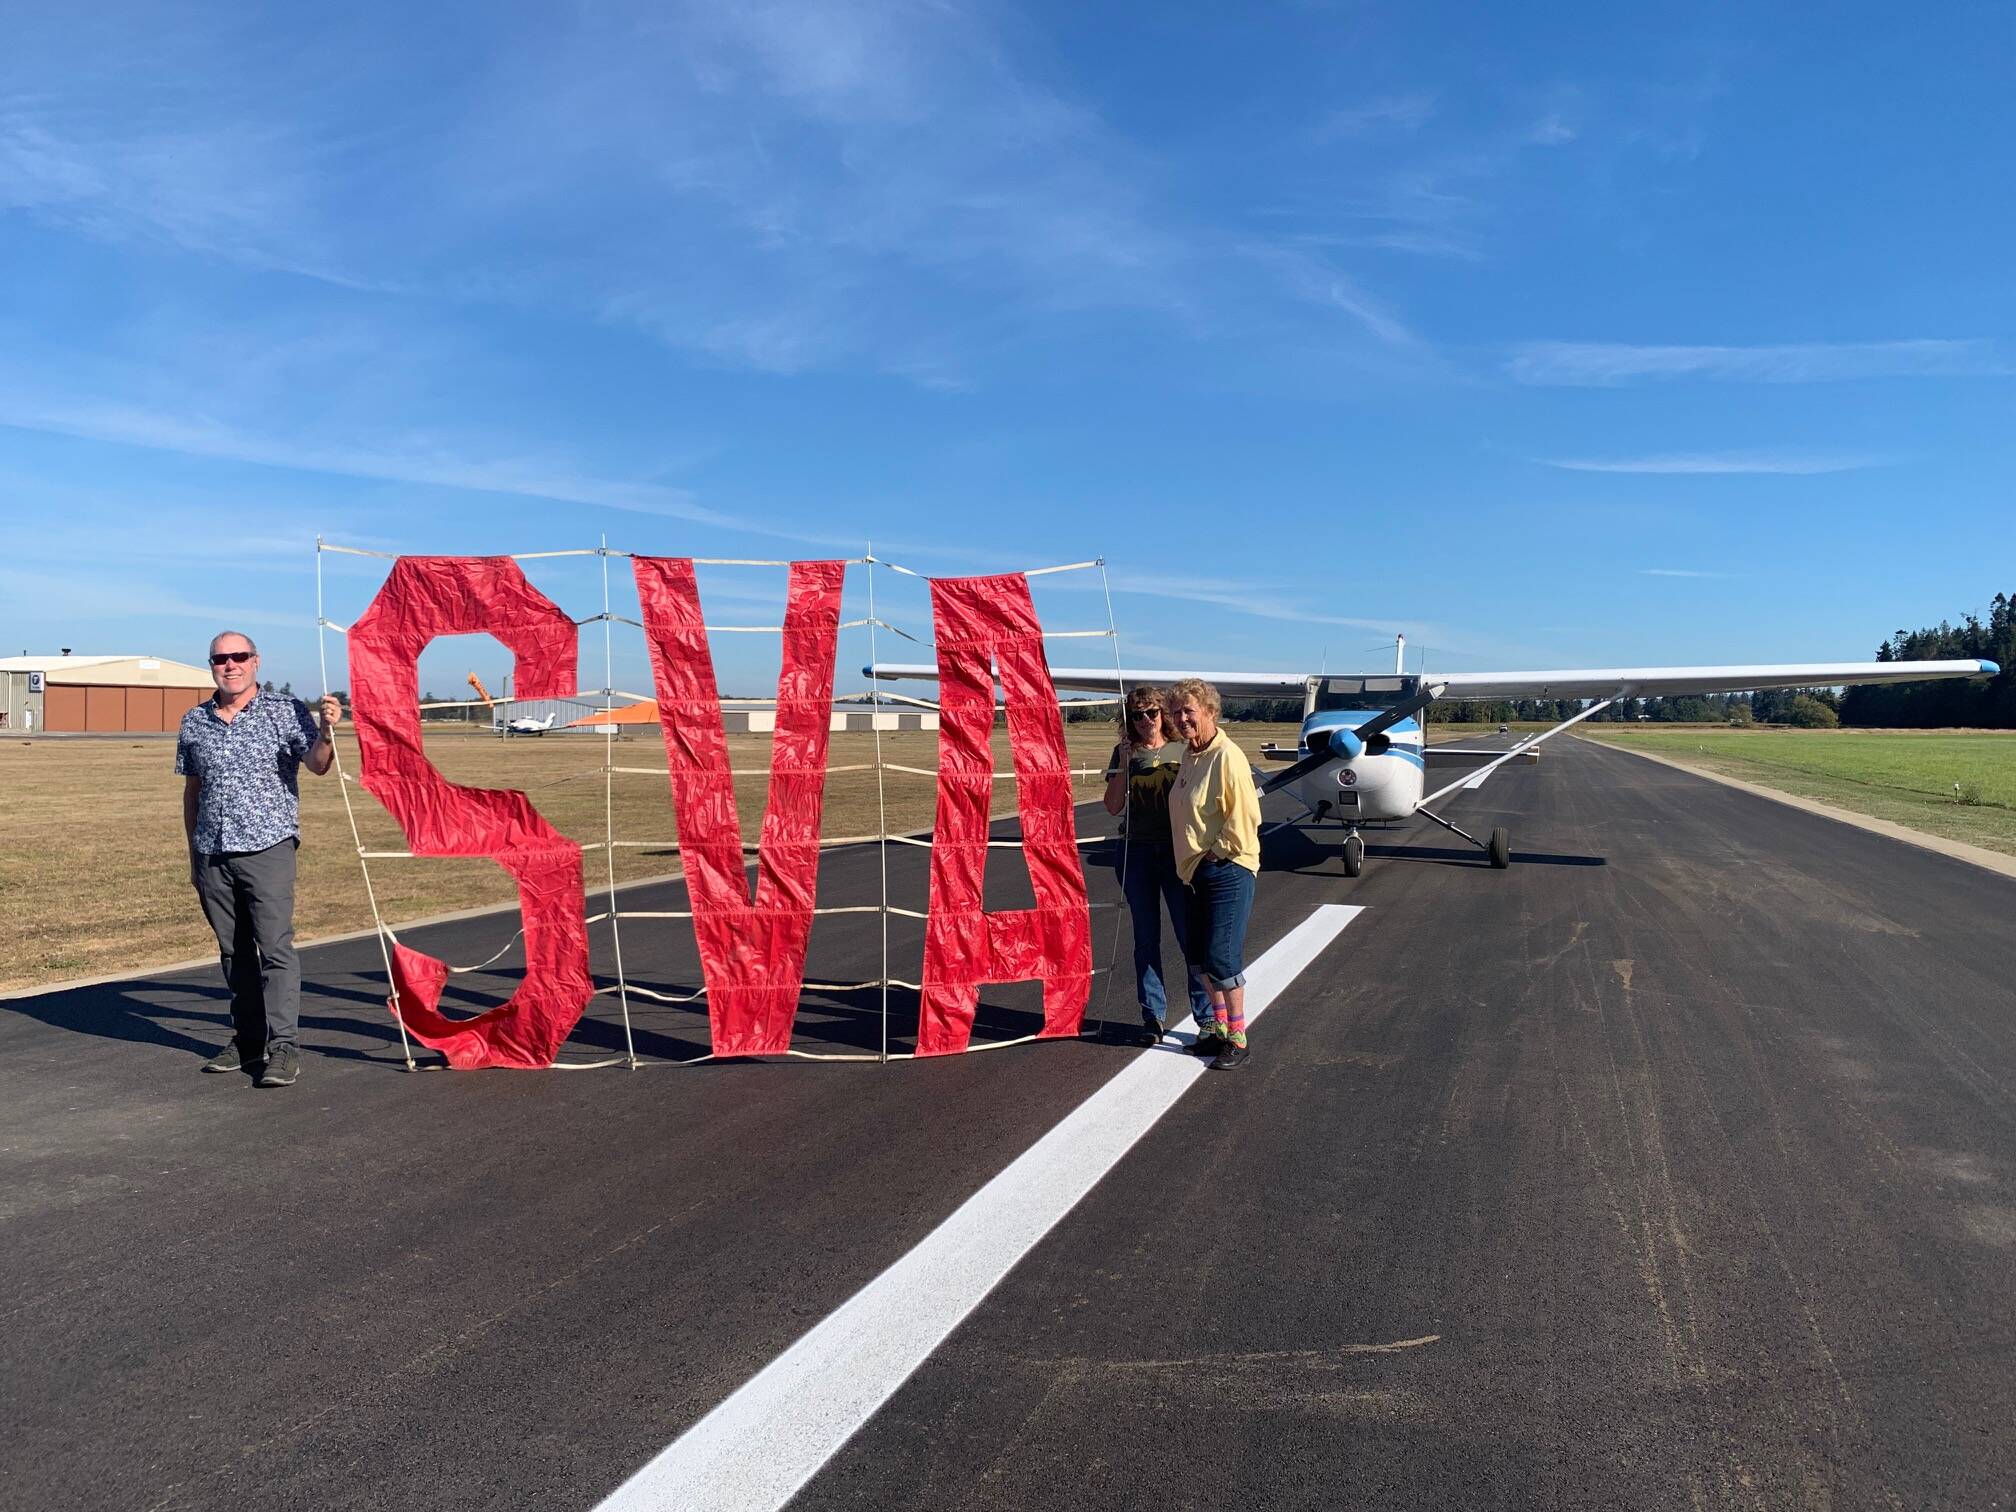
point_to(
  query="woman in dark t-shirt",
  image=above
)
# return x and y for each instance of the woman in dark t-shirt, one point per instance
(1138, 779)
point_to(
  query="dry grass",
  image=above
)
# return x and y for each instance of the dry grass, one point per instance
(94, 875)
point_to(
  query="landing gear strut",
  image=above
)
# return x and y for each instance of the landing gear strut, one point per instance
(1498, 848)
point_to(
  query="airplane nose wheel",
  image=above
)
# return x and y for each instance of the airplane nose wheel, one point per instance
(1354, 854)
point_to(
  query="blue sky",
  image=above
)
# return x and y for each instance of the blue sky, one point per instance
(1558, 335)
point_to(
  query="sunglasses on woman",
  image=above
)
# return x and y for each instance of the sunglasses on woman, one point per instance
(1147, 713)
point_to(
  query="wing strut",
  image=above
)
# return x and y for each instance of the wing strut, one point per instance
(1521, 749)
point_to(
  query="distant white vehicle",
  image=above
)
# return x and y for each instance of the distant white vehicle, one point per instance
(525, 724)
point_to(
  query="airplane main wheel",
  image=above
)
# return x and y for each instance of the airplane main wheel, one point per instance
(1354, 855)
(1501, 848)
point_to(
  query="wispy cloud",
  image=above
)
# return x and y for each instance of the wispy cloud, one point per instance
(1702, 463)
(1402, 112)
(1606, 364)
(1313, 279)
(1259, 600)
(1550, 131)
(532, 478)
(1680, 572)
(88, 599)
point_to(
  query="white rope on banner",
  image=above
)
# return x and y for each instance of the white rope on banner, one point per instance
(1000, 774)
(1027, 572)
(1000, 844)
(609, 812)
(356, 837)
(881, 624)
(1126, 830)
(659, 997)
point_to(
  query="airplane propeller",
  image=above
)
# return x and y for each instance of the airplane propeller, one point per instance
(1343, 745)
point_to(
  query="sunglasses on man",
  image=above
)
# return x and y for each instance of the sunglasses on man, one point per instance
(236, 658)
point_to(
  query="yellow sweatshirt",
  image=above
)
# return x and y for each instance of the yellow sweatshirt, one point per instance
(1214, 809)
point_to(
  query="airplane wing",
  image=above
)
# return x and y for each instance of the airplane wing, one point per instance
(1596, 682)
(1104, 679)
(1646, 682)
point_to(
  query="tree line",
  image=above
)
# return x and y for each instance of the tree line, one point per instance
(1984, 703)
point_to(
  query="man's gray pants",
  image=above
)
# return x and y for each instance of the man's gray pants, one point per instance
(248, 897)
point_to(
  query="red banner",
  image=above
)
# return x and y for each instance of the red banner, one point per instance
(752, 952)
(422, 598)
(984, 623)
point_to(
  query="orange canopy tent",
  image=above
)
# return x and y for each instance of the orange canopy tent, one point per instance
(636, 713)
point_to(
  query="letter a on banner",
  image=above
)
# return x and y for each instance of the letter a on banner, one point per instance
(425, 597)
(980, 621)
(752, 953)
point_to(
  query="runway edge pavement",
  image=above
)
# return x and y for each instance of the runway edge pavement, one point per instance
(1675, 1166)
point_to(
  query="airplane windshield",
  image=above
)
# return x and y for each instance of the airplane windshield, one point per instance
(1363, 692)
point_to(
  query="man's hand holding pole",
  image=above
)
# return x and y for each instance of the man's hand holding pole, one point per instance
(330, 712)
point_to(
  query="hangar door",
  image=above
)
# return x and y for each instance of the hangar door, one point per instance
(116, 710)
(62, 708)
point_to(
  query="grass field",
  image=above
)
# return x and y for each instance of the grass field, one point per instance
(1958, 784)
(94, 874)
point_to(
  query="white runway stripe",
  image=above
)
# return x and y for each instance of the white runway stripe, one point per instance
(766, 1441)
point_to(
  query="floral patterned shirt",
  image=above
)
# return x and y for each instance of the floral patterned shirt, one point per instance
(250, 764)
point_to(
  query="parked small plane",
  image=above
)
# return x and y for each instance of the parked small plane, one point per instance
(1361, 757)
(525, 724)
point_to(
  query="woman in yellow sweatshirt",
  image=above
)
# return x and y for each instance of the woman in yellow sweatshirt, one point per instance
(1214, 826)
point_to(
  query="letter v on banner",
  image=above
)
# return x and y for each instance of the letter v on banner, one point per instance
(752, 952)
(978, 621)
(422, 598)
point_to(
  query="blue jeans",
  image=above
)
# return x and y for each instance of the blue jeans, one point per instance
(1221, 903)
(1149, 879)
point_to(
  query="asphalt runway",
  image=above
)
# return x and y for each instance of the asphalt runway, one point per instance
(1674, 1167)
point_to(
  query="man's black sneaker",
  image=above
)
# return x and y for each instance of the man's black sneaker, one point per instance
(1149, 1035)
(283, 1066)
(231, 1059)
(1231, 1058)
(1208, 1044)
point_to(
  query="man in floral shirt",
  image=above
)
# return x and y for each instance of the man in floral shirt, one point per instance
(238, 755)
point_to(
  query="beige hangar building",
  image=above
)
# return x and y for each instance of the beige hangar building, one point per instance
(97, 694)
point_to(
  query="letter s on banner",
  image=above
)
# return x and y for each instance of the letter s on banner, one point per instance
(981, 620)
(752, 954)
(422, 598)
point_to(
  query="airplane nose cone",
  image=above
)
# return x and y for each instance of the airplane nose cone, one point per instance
(1345, 745)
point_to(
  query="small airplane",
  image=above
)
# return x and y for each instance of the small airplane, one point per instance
(525, 724)
(1361, 756)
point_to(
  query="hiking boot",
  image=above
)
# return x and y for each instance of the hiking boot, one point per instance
(1231, 1058)
(283, 1066)
(1148, 1036)
(230, 1058)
